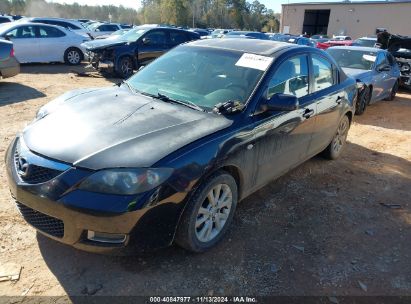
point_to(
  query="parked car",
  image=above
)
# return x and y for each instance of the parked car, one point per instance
(134, 49)
(34, 42)
(218, 33)
(246, 34)
(341, 38)
(9, 66)
(114, 35)
(376, 69)
(280, 37)
(167, 155)
(5, 19)
(69, 24)
(202, 32)
(102, 29)
(332, 43)
(302, 41)
(400, 48)
(320, 36)
(365, 41)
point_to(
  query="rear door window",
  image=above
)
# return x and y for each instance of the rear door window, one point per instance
(324, 75)
(50, 32)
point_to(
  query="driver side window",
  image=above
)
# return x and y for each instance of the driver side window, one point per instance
(290, 78)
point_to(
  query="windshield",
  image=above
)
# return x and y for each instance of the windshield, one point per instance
(133, 35)
(353, 59)
(199, 75)
(365, 42)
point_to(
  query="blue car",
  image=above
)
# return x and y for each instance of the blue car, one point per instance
(376, 70)
(166, 156)
(245, 34)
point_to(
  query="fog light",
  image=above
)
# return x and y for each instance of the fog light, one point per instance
(106, 237)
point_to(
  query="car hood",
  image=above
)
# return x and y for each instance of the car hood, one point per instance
(113, 127)
(356, 73)
(97, 44)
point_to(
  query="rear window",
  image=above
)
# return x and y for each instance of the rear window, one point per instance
(4, 20)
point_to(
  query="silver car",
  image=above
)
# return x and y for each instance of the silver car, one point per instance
(375, 69)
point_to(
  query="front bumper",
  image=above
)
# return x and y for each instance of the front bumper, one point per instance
(68, 216)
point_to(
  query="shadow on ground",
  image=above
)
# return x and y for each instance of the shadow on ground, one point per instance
(14, 92)
(60, 68)
(382, 113)
(304, 234)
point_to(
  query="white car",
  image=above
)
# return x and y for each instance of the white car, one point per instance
(341, 38)
(103, 29)
(35, 42)
(69, 24)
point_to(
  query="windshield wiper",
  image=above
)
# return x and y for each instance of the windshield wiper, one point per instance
(186, 103)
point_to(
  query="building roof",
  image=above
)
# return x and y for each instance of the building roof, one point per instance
(349, 2)
(255, 46)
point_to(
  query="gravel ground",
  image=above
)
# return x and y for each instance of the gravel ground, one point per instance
(319, 230)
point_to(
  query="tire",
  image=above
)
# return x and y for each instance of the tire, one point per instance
(202, 225)
(335, 148)
(125, 67)
(393, 92)
(73, 56)
(363, 101)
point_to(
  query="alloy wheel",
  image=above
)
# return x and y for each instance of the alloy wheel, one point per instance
(126, 67)
(73, 57)
(341, 136)
(213, 213)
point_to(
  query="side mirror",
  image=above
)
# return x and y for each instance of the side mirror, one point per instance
(8, 36)
(281, 102)
(146, 41)
(384, 68)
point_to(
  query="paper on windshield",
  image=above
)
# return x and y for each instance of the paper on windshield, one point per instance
(253, 61)
(369, 57)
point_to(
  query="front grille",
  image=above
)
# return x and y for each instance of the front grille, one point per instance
(45, 223)
(33, 174)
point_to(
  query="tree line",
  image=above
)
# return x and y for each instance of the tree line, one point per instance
(235, 14)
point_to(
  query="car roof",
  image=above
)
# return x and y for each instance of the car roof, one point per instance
(259, 47)
(358, 48)
(368, 38)
(19, 24)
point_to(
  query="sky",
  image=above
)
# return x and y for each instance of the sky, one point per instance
(272, 4)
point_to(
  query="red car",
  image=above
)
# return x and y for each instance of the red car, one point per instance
(326, 45)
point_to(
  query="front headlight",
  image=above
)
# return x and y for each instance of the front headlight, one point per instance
(125, 181)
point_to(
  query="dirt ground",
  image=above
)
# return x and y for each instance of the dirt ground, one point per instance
(319, 230)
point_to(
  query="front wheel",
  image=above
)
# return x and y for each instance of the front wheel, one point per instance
(125, 68)
(208, 214)
(393, 92)
(363, 101)
(73, 56)
(334, 149)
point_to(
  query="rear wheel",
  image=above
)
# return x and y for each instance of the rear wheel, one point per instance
(208, 214)
(334, 149)
(393, 92)
(125, 68)
(363, 101)
(73, 56)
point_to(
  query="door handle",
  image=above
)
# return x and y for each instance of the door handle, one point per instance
(339, 100)
(308, 113)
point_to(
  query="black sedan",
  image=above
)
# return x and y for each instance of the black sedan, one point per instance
(138, 47)
(167, 155)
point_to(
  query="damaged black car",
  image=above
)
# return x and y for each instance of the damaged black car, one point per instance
(138, 47)
(400, 48)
